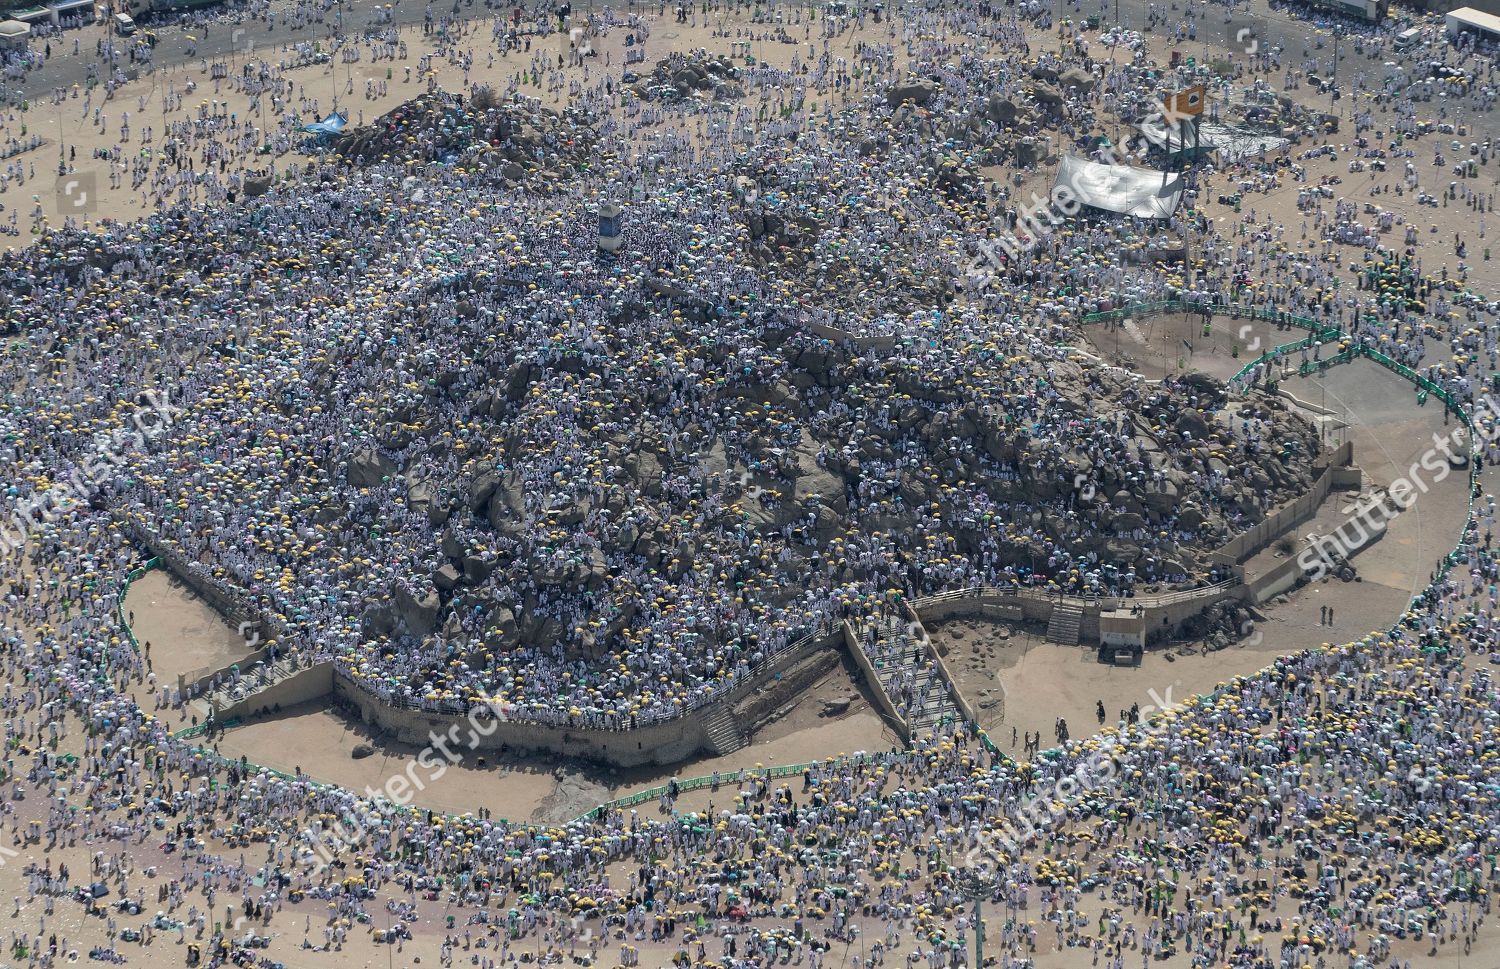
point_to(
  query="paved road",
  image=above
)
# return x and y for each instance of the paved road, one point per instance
(231, 36)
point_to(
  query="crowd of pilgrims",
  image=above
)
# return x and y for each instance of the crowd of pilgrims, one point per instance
(440, 438)
(1338, 805)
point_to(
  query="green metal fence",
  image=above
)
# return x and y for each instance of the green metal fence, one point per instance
(131, 577)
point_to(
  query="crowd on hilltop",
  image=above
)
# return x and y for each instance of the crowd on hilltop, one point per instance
(443, 439)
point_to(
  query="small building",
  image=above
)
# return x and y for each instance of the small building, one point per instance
(1370, 11)
(610, 238)
(1122, 636)
(14, 34)
(73, 10)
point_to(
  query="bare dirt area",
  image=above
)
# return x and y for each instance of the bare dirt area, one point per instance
(1031, 682)
(185, 635)
(1178, 342)
(1392, 436)
(1175, 343)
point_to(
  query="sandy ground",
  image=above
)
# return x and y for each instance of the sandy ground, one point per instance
(1154, 346)
(1040, 681)
(66, 126)
(187, 637)
(185, 633)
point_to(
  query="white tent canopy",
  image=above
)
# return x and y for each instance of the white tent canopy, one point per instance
(1236, 143)
(1140, 192)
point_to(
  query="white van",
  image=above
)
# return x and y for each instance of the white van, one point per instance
(124, 26)
(1408, 39)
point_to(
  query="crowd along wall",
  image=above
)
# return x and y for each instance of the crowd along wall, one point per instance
(1163, 613)
(663, 742)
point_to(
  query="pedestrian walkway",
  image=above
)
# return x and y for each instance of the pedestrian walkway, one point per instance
(909, 677)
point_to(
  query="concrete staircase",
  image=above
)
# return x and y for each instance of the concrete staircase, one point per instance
(1064, 625)
(234, 691)
(911, 680)
(725, 735)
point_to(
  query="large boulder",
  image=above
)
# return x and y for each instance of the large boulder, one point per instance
(422, 498)
(1162, 498)
(1047, 95)
(446, 577)
(1190, 517)
(817, 485)
(379, 620)
(1030, 152)
(368, 467)
(477, 568)
(1001, 110)
(520, 377)
(917, 92)
(507, 505)
(416, 612)
(595, 569)
(1075, 77)
(503, 622)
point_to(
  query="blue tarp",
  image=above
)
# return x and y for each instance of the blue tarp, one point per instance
(331, 125)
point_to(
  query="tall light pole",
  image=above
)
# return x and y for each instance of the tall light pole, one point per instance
(1333, 86)
(976, 885)
(979, 922)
